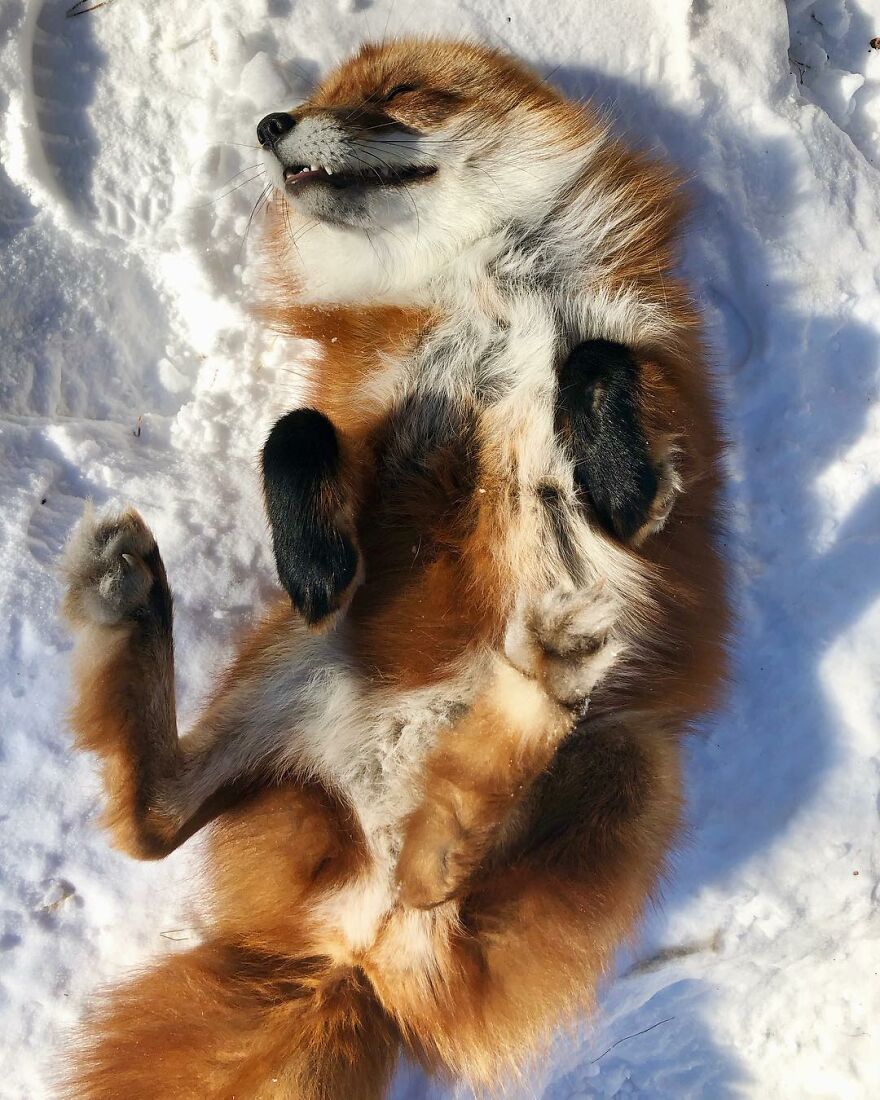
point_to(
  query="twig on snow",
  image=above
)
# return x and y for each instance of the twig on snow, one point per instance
(634, 1035)
(801, 67)
(82, 7)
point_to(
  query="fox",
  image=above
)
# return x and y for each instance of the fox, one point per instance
(440, 779)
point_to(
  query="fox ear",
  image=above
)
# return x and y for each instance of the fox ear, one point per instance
(597, 416)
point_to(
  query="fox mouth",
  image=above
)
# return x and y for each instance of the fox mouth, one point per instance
(299, 175)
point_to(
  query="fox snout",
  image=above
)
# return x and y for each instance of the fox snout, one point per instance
(273, 127)
(352, 120)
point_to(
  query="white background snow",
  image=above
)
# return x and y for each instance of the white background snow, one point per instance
(130, 371)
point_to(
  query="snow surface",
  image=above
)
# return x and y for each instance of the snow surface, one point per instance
(131, 371)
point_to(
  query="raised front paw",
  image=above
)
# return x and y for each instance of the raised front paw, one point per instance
(623, 474)
(319, 573)
(113, 571)
(316, 557)
(566, 638)
(669, 486)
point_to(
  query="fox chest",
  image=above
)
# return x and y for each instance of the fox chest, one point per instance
(452, 525)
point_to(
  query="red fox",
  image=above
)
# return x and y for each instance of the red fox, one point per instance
(441, 777)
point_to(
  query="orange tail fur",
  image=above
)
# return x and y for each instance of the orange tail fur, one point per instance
(224, 1021)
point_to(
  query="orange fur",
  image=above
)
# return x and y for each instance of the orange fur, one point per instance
(539, 835)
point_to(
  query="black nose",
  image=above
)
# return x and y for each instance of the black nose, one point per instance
(272, 127)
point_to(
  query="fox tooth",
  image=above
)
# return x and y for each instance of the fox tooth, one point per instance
(313, 168)
(329, 171)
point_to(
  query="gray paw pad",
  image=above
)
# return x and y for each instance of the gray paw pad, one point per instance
(108, 579)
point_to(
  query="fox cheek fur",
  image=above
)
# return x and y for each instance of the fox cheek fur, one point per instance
(441, 775)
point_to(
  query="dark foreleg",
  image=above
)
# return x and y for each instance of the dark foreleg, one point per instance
(629, 488)
(306, 501)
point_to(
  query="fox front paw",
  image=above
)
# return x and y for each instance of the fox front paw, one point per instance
(629, 485)
(566, 639)
(113, 571)
(316, 556)
(669, 487)
(319, 574)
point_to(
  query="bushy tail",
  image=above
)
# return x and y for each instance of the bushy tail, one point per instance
(223, 1021)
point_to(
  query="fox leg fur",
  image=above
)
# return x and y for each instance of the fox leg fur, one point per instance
(160, 788)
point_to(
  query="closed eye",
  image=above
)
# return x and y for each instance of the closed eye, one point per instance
(398, 89)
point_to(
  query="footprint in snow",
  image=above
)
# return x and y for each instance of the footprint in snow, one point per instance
(66, 65)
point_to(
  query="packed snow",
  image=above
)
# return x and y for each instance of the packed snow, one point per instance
(132, 371)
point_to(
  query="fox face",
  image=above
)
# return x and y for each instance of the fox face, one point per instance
(446, 140)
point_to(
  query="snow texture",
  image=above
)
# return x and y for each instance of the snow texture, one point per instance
(130, 371)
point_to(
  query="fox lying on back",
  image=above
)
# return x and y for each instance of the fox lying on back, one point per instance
(498, 507)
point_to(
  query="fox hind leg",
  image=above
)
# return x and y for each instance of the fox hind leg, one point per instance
(120, 607)
(558, 648)
(159, 788)
(472, 781)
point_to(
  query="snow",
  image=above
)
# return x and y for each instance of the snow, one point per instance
(130, 370)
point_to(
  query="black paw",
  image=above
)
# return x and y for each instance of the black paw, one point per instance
(597, 414)
(317, 561)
